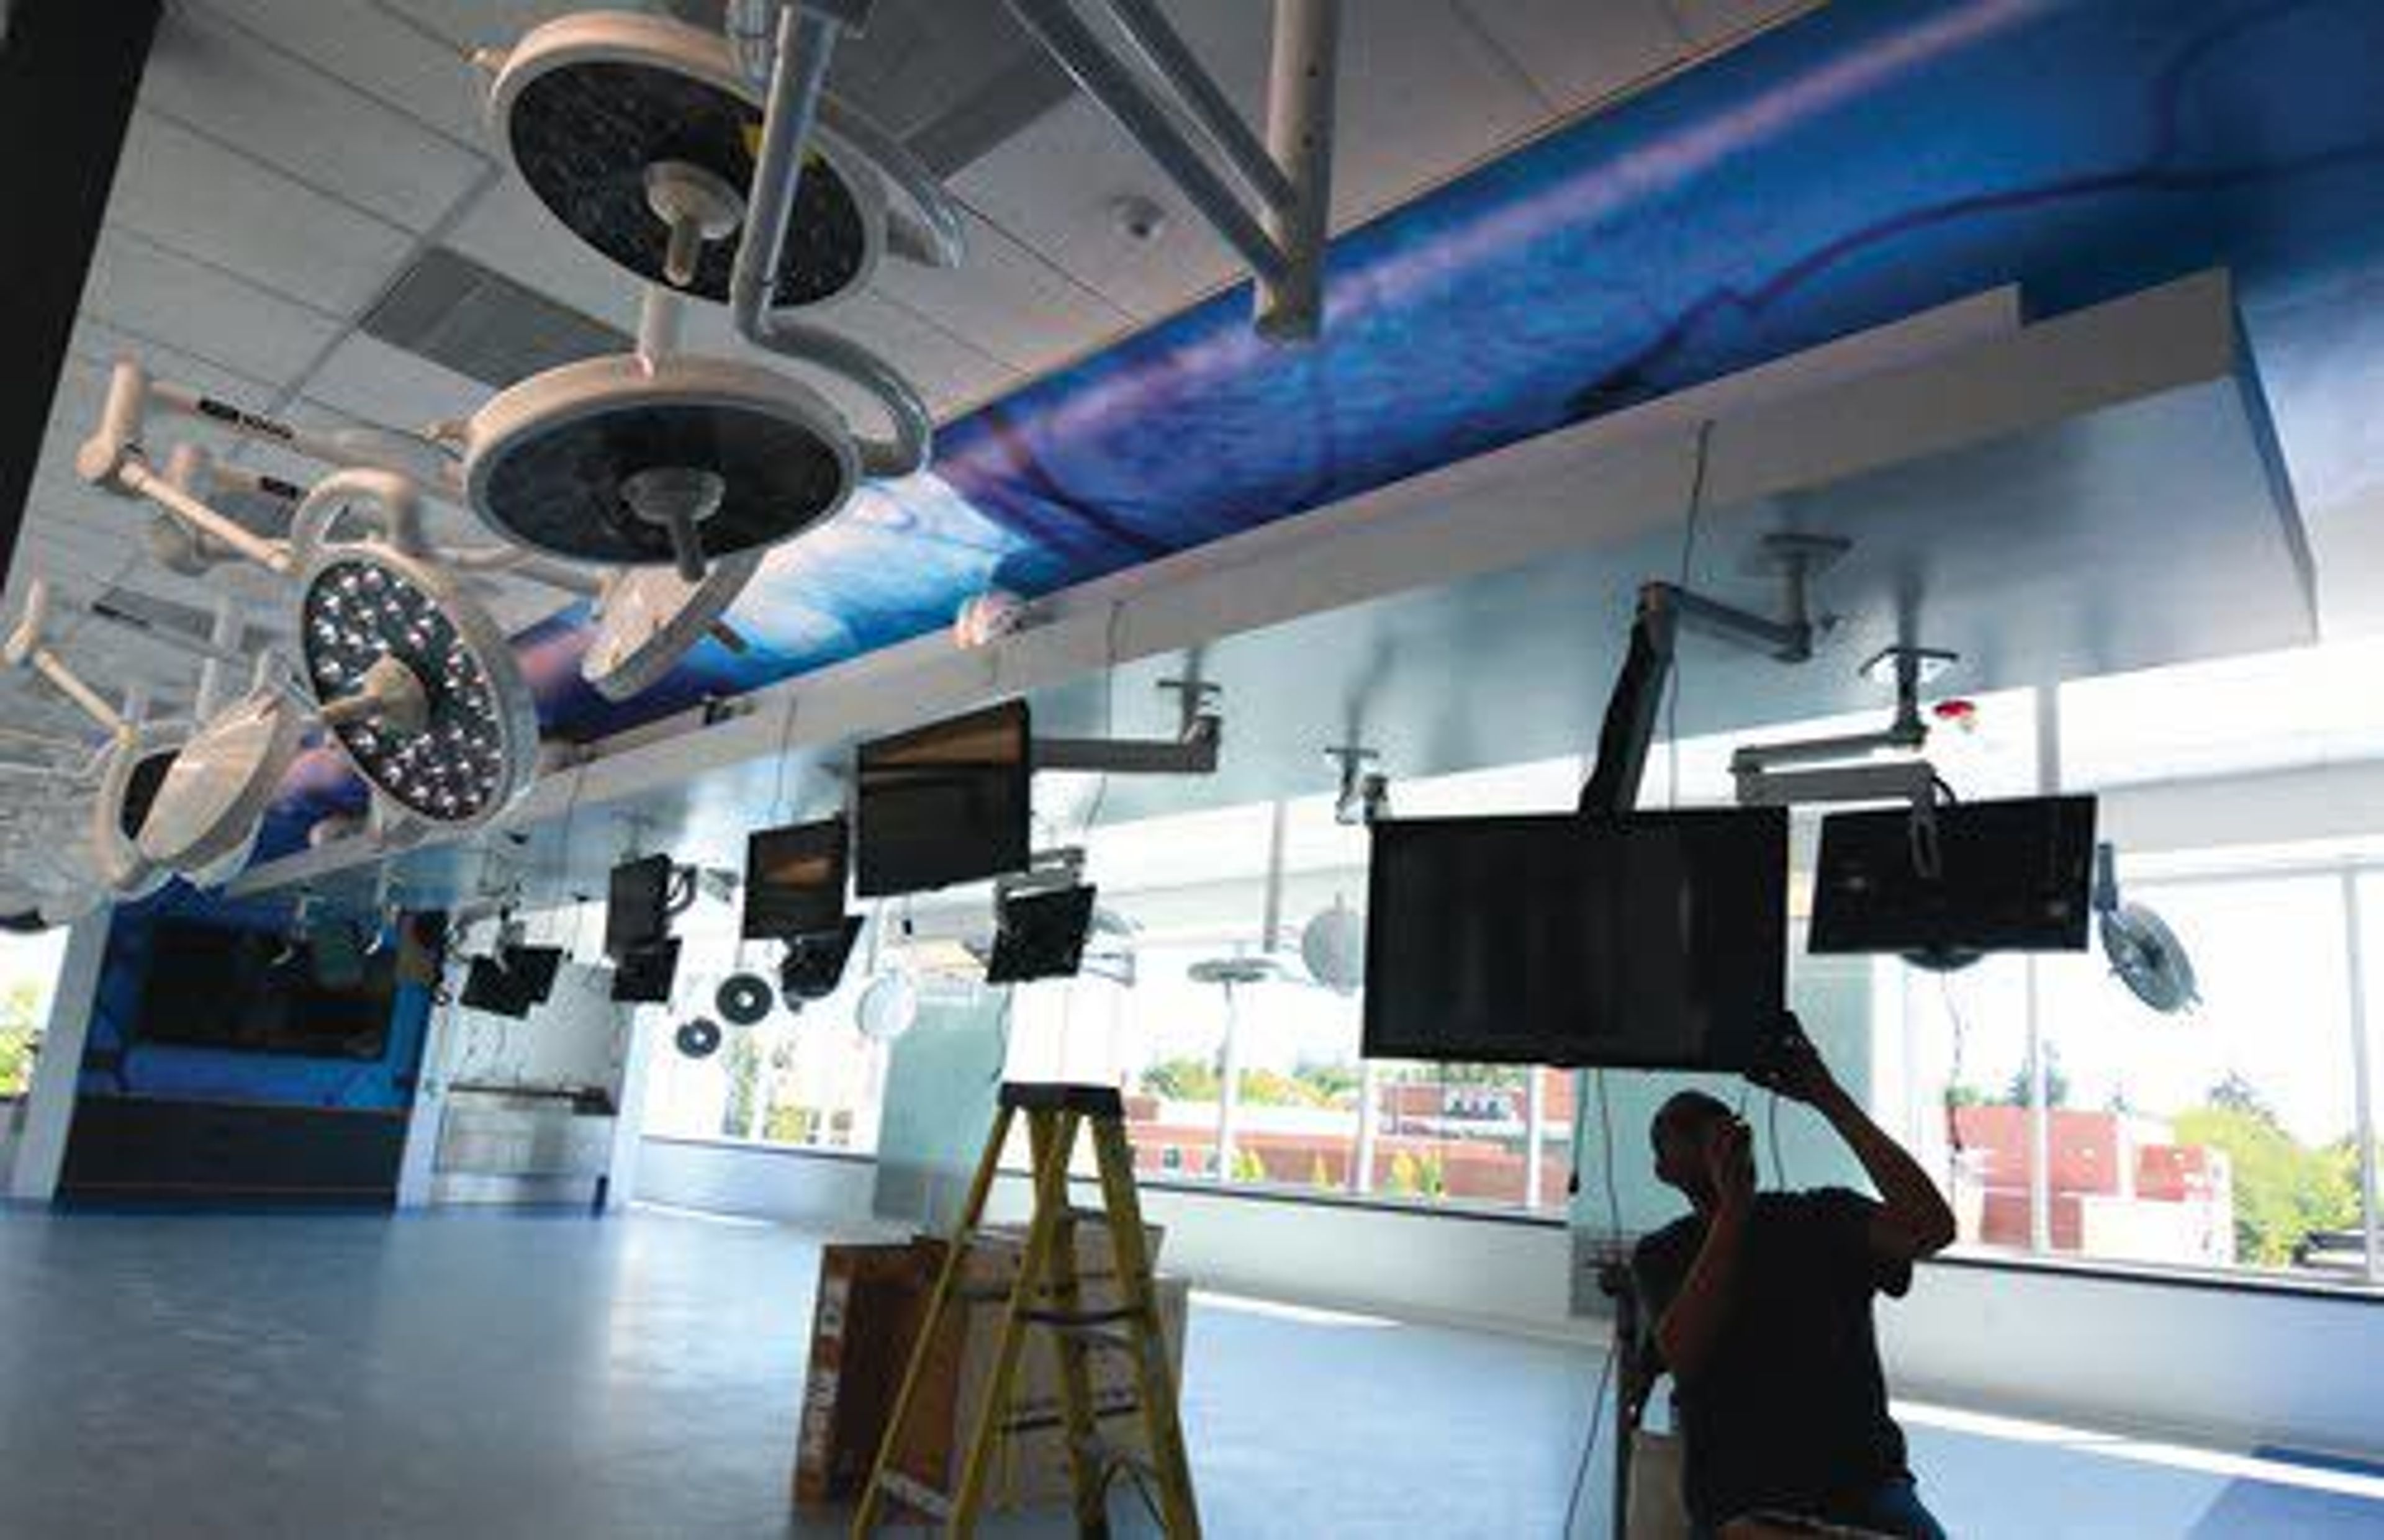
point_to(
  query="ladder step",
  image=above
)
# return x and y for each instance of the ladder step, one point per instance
(1039, 1420)
(1104, 1453)
(915, 1494)
(1094, 1328)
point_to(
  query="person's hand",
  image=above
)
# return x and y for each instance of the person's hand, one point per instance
(1729, 1165)
(1795, 1071)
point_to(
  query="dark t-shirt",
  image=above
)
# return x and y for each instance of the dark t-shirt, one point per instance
(1791, 1412)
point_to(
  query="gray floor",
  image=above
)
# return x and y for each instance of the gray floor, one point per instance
(485, 1376)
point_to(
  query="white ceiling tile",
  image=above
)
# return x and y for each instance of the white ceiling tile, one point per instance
(509, 229)
(1711, 21)
(1578, 52)
(949, 374)
(367, 378)
(489, 23)
(226, 83)
(96, 342)
(1056, 186)
(1006, 301)
(221, 207)
(377, 49)
(158, 293)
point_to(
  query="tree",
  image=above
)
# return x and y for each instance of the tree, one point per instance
(2283, 1191)
(1181, 1080)
(1334, 1085)
(1267, 1089)
(2057, 1081)
(741, 1060)
(18, 1036)
(2238, 1094)
(1966, 1095)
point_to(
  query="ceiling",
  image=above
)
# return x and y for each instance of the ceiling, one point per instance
(288, 160)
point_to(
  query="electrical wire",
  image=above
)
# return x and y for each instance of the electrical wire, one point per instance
(1955, 1152)
(1779, 1167)
(1688, 555)
(1614, 1349)
(1109, 709)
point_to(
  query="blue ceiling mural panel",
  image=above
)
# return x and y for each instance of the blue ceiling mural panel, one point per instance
(1874, 159)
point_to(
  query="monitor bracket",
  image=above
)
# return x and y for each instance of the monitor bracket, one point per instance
(1192, 751)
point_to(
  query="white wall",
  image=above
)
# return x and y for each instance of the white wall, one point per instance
(49, 1108)
(830, 1192)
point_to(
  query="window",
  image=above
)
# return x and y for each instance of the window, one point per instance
(29, 973)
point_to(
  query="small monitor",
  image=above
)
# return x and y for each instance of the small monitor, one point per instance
(513, 981)
(814, 964)
(945, 804)
(1041, 935)
(1655, 941)
(2013, 876)
(637, 905)
(794, 880)
(645, 975)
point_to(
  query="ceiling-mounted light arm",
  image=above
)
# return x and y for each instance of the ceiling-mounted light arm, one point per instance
(1190, 121)
(1364, 795)
(1192, 751)
(28, 646)
(806, 42)
(131, 395)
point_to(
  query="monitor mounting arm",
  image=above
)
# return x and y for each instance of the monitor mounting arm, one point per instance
(1192, 751)
(1629, 731)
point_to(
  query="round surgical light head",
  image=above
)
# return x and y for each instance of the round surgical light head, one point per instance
(419, 688)
(206, 811)
(889, 1006)
(1333, 947)
(650, 617)
(625, 462)
(638, 133)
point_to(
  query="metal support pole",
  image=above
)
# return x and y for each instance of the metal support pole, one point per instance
(1120, 94)
(2040, 1123)
(1299, 136)
(1174, 62)
(223, 654)
(2362, 1072)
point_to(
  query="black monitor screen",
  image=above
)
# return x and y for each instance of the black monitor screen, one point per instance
(1041, 935)
(212, 986)
(644, 976)
(637, 905)
(794, 880)
(513, 980)
(944, 804)
(2014, 877)
(1659, 942)
(814, 964)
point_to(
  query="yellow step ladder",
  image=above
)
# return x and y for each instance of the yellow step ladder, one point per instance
(1046, 1295)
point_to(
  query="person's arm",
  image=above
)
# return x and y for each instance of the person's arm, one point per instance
(1912, 1220)
(1693, 1322)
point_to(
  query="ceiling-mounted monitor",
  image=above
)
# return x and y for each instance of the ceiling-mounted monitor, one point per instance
(1657, 941)
(645, 975)
(637, 905)
(815, 962)
(1040, 936)
(794, 879)
(2012, 875)
(513, 981)
(945, 803)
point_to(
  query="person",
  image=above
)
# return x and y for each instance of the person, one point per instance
(1761, 1304)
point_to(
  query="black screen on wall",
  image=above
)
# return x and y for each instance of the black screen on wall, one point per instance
(212, 986)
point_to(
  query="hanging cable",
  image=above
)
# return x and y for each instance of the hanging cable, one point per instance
(1779, 1167)
(1109, 709)
(1614, 1349)
(1955, 1152)
(1688, 556)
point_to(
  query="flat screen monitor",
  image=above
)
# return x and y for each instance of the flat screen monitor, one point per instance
(1657, 941)
(945, 804)
(794, 879)
(2014, 877)
(814, 964)
(214, 987)
(1040, 936)
(645, 975)
(637, 905)
(513, 981)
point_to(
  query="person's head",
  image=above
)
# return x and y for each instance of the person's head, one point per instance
(1682, 1129)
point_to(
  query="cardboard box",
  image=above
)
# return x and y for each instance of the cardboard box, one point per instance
(872, 1303)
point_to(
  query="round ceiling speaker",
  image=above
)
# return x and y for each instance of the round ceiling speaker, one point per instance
(1333, 947)
(418, 687)
(651, 618)
(623, 461)
(743, 1000)
(699, 1039)
(208, 807)
(639, 132)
